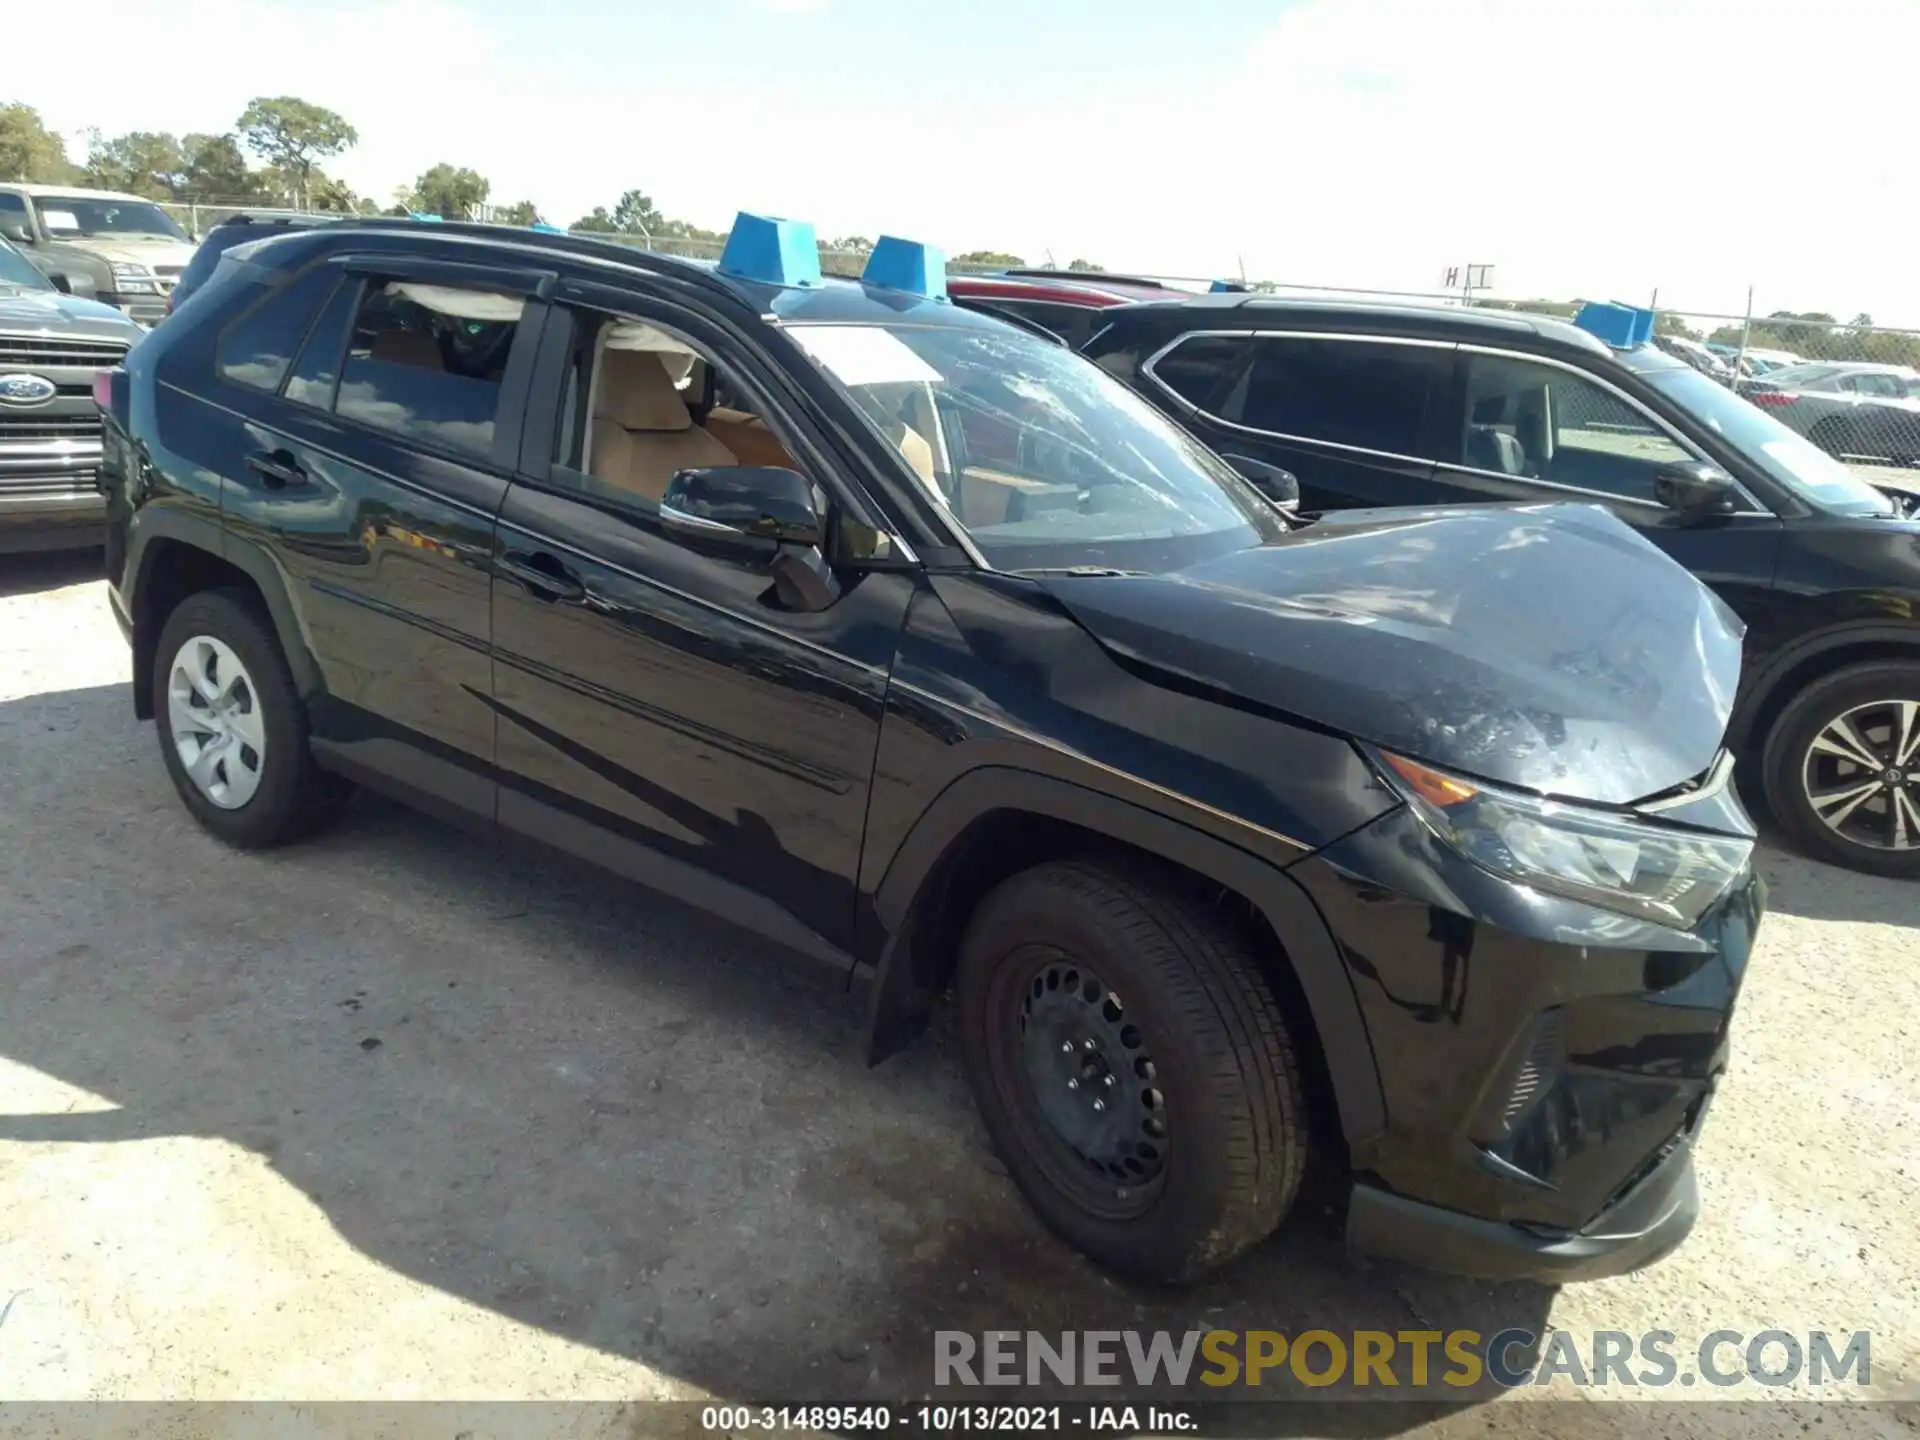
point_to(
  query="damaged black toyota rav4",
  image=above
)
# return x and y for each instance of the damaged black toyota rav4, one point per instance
(916, 643)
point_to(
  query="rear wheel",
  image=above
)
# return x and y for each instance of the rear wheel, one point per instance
(1842, 768)
(1132, 1067)
(232, 730)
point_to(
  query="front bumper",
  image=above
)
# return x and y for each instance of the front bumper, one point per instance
(147, 310)
(53, 517)
(1644, 1226)
(1544, 1064)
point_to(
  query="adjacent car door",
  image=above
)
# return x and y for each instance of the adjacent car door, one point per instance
(1351, 416)
(379, 401)
(1524, 428)
(659, 710)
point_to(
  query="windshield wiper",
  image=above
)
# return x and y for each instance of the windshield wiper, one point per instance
(1078, 570)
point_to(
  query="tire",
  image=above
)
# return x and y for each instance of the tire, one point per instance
(1114, 958)
(1871, 696)
(281, 795)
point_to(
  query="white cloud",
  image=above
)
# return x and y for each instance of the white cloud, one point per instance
(1692, 145)
(794, 7)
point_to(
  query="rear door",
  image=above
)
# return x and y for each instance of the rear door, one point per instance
(380, 401)
(1350, 416)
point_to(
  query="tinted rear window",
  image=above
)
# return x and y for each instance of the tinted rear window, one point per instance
(256, 349)
(1368, 394)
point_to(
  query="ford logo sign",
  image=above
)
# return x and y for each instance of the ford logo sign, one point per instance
(26, 390)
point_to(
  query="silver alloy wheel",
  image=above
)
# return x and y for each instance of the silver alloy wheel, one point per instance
(214, 719)
(1862, 775)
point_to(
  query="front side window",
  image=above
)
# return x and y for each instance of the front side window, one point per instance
(1539, 422)
(427, 361)
(1042, 458)
(256, 349)
(13, 208)
(1787, 458)
(66, 216)
(1351, 392)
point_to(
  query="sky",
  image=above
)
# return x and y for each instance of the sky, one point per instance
(1592, 148)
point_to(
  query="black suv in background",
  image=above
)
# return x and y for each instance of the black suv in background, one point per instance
(1371, 405)
(52, 345)
(914, 642)
(232, 231)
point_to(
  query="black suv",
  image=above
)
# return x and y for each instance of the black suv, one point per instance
(234, 230)
(914, 642)
(1378, 405)
(52, 345)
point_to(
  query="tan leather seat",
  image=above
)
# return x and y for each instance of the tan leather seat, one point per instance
(407, 347)
(748, 437)
(641, 433)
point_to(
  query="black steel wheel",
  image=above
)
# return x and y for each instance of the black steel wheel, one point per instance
(1132, 1066)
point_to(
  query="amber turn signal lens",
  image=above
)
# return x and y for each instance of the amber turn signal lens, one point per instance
(1430, 785)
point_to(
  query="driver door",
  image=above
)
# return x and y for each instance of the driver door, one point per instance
(658, 710)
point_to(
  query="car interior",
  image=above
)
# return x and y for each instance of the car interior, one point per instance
(1524, 422)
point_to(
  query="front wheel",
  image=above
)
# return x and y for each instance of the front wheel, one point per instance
(1842, 768)
(1132, 1067)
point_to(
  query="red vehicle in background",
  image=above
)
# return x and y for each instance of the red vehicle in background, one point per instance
(1064, 304)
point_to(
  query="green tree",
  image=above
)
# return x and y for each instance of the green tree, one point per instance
(599, 222)
(635, 214)
(1085, 265)
(456, 194)
(846, 256)
(31, 152)
(142, 162)
(990, 259)
(521, 212)
(294, 135)
(213, 169)
(326, 193)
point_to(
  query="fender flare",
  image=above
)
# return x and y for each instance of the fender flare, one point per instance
(902, 997)
(162, 527)
(1766, 682)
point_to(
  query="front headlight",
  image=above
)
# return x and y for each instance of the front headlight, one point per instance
(1617, 861)
(128, 270)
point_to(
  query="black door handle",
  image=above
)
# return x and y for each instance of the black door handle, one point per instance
(544, 575)
(277, 468)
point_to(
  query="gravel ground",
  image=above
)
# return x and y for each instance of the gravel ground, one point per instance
(398, 1114)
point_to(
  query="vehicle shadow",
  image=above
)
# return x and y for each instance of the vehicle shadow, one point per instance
(576, 1103)
(1817, 891)
(49, 570)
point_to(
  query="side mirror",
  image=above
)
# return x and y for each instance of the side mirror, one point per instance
(61, 283)
(741, 511)
(1694, 488)
(1279, 486)
(756, 512)
(17, 232)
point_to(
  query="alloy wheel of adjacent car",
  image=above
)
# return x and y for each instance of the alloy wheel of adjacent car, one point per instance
(1841, 768)
(1861, 774)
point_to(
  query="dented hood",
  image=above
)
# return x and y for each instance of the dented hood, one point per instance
(1549, 648)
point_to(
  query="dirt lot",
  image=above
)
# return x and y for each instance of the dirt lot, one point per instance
(396, 1114)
